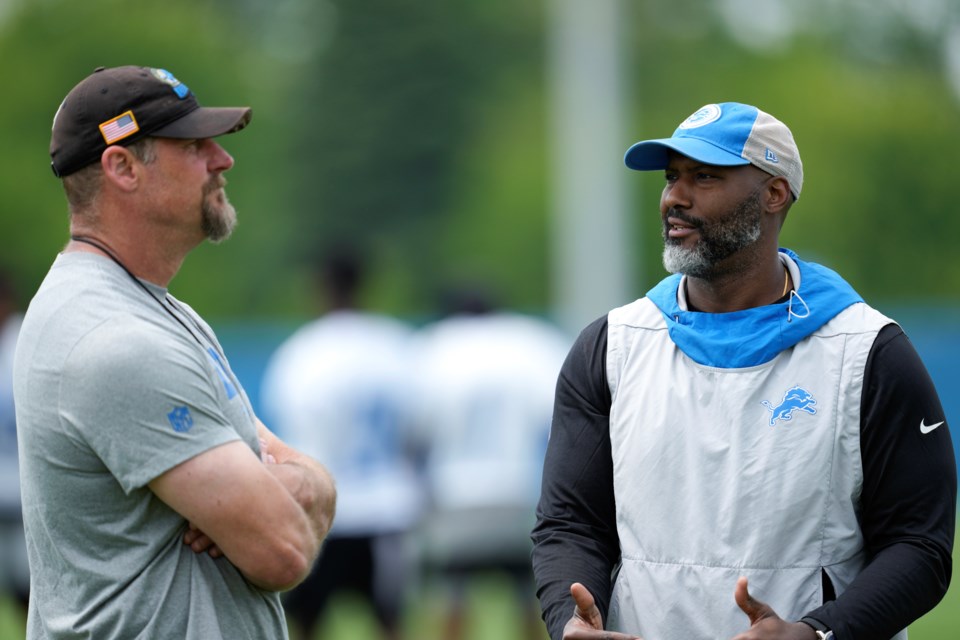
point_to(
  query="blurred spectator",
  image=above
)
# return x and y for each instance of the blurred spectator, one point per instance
(337, 388)
(485, 394)
(14, 569)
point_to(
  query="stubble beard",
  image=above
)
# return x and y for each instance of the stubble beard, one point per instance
(218, 218)
(718, 240)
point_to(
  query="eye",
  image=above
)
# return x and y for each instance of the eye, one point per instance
(670, 176)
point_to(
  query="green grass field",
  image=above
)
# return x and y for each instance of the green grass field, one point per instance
(496, 616)
(493, 616)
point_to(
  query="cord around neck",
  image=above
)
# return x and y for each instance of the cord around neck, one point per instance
(113, 256)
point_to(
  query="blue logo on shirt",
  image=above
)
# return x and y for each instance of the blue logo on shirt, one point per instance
(228, 385)
(180, 419)
(796, 399)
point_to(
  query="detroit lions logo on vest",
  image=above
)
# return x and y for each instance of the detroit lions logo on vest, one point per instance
(796, 399)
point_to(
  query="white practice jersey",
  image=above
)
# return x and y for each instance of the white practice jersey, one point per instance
(338, 389)
(484, 404)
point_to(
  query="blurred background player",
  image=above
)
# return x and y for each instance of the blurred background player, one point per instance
(338, 388)
(485, 380)
(14, 568)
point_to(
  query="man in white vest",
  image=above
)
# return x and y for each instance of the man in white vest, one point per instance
(749, 450)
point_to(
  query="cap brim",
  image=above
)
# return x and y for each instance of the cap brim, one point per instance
(651, 155)
(206, 122)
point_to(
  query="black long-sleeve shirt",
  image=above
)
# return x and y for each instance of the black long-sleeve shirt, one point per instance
(907, 504)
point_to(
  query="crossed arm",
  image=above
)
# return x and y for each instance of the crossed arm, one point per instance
(267, 515)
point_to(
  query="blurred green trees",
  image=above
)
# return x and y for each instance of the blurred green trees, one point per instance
(419, 129)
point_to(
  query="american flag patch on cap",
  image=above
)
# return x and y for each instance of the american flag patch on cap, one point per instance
(119, 128)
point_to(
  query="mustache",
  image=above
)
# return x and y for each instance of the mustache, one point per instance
(215, 182)
(693, 221)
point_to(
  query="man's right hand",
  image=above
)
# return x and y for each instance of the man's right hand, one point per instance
(587, 623)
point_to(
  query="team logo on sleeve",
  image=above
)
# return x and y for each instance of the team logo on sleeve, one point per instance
(180, 419)
(796, 399)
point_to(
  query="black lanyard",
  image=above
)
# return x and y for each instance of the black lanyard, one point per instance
(110, 254)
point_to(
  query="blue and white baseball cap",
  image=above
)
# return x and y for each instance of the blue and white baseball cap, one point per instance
(726, 134)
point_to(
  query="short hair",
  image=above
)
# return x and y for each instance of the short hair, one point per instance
(83, 186)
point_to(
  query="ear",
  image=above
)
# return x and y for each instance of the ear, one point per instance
(779, 196)
(120, 167)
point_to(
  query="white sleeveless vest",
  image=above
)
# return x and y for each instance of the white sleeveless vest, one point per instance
(721, 473)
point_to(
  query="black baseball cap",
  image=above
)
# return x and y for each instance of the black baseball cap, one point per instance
(121, 105)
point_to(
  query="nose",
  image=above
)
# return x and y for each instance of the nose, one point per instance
(675, 196)
(219, 159)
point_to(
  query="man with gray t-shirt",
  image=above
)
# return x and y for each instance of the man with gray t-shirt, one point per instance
(156, 504)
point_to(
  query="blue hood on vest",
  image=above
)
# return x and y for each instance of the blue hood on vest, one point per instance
(753, 336)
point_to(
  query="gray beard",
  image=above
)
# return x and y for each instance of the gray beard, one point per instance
(217, 220)
(718, 240)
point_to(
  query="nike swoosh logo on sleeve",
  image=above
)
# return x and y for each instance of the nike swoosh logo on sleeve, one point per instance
(925, 429)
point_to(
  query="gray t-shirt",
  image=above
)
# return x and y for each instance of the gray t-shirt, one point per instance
(111, 391)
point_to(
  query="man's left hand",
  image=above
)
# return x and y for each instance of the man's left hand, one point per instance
(765, 624)
(200, 542)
